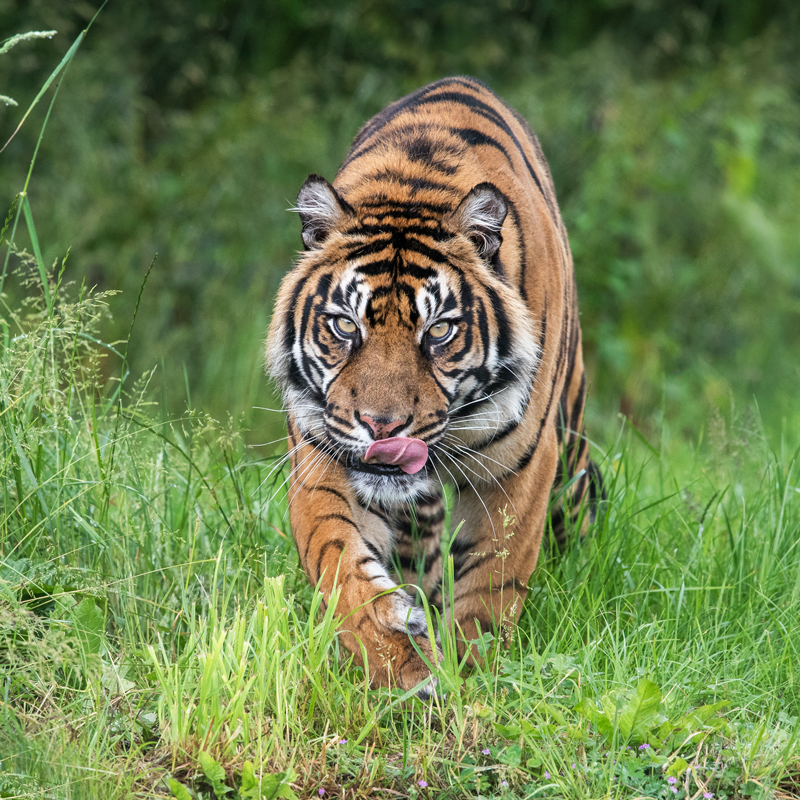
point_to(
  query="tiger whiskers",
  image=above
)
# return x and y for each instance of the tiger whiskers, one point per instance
(294, 469)
(456, 442)
(452, 449)
(484, 399)
(460, 468)
(334, 457)
(469, 428)
(300, 471)
(284, 458)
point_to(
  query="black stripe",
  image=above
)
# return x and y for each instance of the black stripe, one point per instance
(478, 561)
(332, 543)
(415, 184)
(413, 207)
(341, 518)
(428, 520)
(426, 428)
(501, 320)
(475, 138)
(487, 112)
(577, 406)
(596, 485)
(374, 550)
(495, 590)
(335, 433)
(459, 546)
(289, 330)
(410, 562)
(368, 248)
(526, 458)
(434, 232)
(319, 525)
(577, 493)
(389, 113)
(384, 266)
(329, 491)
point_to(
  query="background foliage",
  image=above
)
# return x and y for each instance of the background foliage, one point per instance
(187, 127)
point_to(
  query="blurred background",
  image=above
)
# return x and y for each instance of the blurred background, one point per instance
(186, 127)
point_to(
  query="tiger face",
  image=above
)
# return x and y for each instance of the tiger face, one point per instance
(391, 336)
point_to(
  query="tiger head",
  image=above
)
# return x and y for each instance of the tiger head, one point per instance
(396, 322)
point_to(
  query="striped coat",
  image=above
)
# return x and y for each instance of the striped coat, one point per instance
(429, 335)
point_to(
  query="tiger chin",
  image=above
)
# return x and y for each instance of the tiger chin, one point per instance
(429, 335)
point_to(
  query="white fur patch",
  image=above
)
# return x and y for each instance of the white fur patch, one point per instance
(316, 201)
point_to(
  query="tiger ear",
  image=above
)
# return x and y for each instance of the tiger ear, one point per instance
(320, 209)
(480, 216)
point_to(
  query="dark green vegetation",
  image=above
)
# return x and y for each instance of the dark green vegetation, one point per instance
(155, 634)
(187, 128)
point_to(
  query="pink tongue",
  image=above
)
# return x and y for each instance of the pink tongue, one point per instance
(408, 454)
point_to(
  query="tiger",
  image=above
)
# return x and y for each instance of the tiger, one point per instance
(427, 337)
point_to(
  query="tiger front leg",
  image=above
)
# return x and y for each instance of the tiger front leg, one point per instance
(495, 552)
(344, 547)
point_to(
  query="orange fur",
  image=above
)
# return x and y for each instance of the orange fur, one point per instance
(443, 217)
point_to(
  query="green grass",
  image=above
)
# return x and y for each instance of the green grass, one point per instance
(157, 635)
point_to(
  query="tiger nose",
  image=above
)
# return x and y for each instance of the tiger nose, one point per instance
(382, 427)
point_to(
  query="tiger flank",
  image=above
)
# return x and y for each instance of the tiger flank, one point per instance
(429, 335)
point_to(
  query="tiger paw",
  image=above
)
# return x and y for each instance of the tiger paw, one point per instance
(394, 636)
(405, 666)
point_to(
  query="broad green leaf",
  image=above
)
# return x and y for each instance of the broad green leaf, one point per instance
(602, 718)
(89, 624)
(640, 713)
(249, 781)
(554, 712)
(677, 768)
(114, 680)
(588, 709)
(511, 755)
(178, 790)
(699, 717)
(562, 663)
(509, 731)
(214, 773)
(268, 787)
(274, 786)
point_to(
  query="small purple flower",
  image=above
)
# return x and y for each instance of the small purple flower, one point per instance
(485, 752)
(504, 783)
(342, 741)
(644, 746)
(574, 765)
(547, 775)
(423, 784)
(707, 795)
(673, 789)
(321, 792)
(672, 779)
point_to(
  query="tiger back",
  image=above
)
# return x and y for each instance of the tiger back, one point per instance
(429, 335)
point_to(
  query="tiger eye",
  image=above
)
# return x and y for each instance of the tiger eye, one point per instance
(345, 326)
(439, 330)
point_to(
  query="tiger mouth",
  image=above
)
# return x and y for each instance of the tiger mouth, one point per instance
(359, 465)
